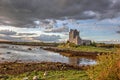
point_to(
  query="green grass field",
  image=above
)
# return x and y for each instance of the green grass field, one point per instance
(93, 49)
(52, 75)
(89, 49)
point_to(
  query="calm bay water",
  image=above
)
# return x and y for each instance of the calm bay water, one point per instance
(35, 54)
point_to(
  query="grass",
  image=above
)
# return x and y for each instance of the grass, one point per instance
(52, 75)
(13, 68)
(93, 49)
(107, 69)
(89, 49)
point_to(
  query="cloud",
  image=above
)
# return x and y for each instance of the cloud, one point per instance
(7, 32)
(23, 13)
(48, 38)
(18, 39)
(14, 36)
(58, 29)
(47, 23)
(118, 32)
(90, 14)
(22, 38)
(26, 34)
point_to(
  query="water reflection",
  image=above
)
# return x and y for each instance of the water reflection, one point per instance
(74, 60)
(35, 54)
(81, 61)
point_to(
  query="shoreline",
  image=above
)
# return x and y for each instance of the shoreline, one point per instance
(73, 53)
(14, 68)
(66, 52)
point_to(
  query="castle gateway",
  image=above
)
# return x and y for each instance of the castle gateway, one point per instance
(75, 38)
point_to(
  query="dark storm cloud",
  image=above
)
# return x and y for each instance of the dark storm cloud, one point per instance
(22, 13)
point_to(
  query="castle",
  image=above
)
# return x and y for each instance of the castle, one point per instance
(75, 38)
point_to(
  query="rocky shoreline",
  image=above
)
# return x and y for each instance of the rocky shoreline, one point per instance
(14, 68)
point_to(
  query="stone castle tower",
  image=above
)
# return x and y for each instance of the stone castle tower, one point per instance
(75, 38)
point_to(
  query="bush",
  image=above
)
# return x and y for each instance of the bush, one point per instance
(108, 68)
(67, 45)
(93, 44)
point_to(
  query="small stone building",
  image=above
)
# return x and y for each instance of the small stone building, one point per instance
(75, 38)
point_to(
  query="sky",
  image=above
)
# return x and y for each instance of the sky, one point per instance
(51, 20)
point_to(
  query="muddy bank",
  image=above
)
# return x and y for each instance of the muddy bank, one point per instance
(12, 68)
(73, 53)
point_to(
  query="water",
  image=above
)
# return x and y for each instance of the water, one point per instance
(35, 54)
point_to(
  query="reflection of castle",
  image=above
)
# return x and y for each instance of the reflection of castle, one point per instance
(75, 38)
(81, 61)
(74, 61)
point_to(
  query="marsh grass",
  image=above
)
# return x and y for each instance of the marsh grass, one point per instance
(107, 69)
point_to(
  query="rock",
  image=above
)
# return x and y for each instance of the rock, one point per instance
(45, 74)
(35, 78)
(26, 78)
(3, 77)
(3, 58)
(29, 49)
(8, 52)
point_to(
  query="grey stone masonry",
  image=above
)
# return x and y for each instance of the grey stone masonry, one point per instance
(75, 38)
